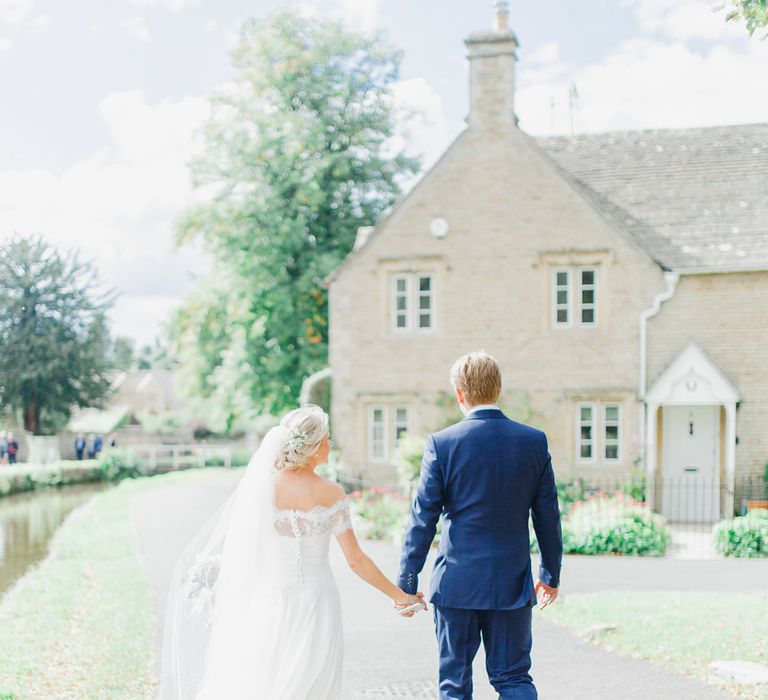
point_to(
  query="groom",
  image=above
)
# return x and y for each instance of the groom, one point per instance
(484, 475)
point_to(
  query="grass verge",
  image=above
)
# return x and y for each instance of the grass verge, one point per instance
(80, 625)
(679, 630)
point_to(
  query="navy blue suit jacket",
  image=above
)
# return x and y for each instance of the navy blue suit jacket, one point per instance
(485, 475)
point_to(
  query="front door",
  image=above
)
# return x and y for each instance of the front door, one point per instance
(691, 475)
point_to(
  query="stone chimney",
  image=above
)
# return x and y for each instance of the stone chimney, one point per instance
(492, 58)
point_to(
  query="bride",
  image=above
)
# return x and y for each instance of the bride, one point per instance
(254, 611)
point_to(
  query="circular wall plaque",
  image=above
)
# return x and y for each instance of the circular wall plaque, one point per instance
(438, 228)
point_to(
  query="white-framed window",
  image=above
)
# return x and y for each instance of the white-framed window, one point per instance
(611, 432)
(426, 302)
(588, 296)
(413, 302)
(402, 422)
(377, 431)
(561, 302)
(586, 432)
(574, 296)
(401, 313)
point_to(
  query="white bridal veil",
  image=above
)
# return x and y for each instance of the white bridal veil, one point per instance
(223, 593)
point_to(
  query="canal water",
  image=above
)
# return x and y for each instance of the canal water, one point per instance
(27, 523)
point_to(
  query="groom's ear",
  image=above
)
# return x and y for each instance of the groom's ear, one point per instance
(459, 395)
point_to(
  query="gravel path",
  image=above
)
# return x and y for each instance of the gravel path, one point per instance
(390, 657)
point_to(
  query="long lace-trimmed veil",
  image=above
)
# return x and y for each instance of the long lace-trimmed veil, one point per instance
(223, 586)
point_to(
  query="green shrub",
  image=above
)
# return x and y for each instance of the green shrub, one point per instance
(410, 449)
(116, 465)
(240, 458)
(745, 536)
(28, 477)
(614, 525)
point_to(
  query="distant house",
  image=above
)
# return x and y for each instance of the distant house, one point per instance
(621, 280)
(138, 395)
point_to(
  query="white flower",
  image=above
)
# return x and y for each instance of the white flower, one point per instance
(297, 439)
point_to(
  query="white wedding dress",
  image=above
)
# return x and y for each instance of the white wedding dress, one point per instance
(256, 613)
(308, 645)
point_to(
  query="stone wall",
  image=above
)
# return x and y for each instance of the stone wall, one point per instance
(513, 219)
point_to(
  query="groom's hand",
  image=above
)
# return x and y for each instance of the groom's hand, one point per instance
(545, 594)
(411, 600)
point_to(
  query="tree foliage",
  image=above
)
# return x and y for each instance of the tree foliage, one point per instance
(298, 154)
(754, 13)
(53, 334)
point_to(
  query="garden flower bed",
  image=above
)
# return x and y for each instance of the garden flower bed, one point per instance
(380, 513)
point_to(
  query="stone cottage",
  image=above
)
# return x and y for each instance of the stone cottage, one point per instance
(621, 280)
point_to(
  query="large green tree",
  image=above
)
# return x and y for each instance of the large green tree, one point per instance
(298, 154)
(754, 13)
(54, 341)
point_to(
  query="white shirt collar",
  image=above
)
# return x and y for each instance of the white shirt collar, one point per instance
(483, 407)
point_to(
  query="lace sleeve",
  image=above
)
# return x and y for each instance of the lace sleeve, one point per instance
(341, 520)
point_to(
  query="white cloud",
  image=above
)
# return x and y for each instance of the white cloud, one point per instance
(119, 205)
(15, 11)
(685, 19)
(41, 21)
(172, 5)
(363, 14)
(137, 29)
(652, 81)
(422, 128)
(359, 14)
(546, 53)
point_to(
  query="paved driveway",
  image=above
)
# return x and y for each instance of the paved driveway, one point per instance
(387, 656)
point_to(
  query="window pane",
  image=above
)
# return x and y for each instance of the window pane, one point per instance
(611, 413)
(588, 296)
(612, 432)
(401, 284)
(401, 415)
(425, 320)
(401, 322)
(562, 296)
(587, 276)
(425, 284)
(562, 315)
(562, 279)
(586, 432)
(401, 303)
(586, 451)
(611, 451)
(586, 413)
(425, 302)
(587, 315)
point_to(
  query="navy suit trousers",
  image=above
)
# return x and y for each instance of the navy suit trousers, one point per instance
(506, 636)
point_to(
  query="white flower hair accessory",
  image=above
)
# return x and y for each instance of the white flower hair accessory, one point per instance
(296, 440)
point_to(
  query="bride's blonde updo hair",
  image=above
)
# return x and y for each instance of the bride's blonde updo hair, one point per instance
(308, 427)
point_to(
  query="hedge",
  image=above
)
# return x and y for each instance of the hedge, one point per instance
(28, 477)
(745, 536)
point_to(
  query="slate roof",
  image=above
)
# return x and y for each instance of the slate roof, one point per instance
(693, 198)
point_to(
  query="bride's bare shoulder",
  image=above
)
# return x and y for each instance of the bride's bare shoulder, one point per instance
(331, 492)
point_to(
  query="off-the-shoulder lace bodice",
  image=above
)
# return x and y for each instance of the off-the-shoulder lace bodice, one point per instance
(321, 519)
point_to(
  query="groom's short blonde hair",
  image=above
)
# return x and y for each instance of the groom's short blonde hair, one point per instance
(478, 377)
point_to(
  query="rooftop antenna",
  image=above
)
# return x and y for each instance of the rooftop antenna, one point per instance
(573, 95)
(553, 113)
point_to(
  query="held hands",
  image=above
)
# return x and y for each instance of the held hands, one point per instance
(405, 600)
(545, 594)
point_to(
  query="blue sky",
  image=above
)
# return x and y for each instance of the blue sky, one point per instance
(101, 99)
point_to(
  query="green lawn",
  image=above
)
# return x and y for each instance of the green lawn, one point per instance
(683, 631)
(80, 625)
